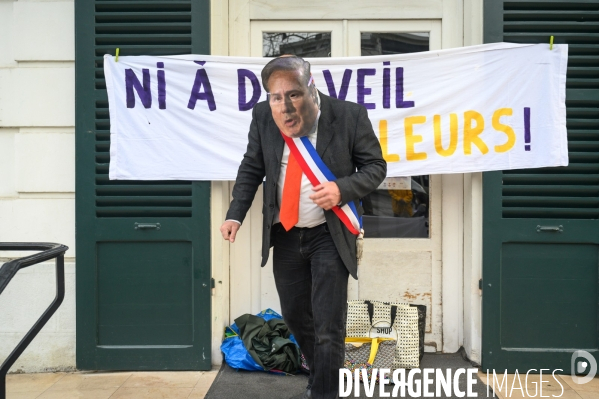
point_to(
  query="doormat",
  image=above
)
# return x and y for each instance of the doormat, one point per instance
(233, 384)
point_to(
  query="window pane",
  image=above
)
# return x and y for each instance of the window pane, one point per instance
(394, 43)
(300, 44)
(400, 206)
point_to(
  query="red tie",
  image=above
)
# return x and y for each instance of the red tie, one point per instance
(289, 213)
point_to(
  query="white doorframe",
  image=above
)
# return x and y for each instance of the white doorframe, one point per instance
(453, 210)
(219, 203)
(473, 210)
(230, 25)
(416, 259)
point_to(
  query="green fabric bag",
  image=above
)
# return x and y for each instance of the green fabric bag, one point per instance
(268, 343)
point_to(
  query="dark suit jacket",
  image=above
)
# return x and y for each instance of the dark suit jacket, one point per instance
(347, 145)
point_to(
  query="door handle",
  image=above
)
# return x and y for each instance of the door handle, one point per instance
(147, 226)
(550, 229)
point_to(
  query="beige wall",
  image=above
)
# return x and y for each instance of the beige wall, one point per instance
(37, 118)
(37, 172)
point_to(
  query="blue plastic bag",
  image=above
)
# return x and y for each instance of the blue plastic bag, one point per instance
(234, 351)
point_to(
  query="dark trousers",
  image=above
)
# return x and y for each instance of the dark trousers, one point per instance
(311, 280)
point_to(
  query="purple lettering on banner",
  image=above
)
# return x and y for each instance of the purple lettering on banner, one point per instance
(399, 102)
(526, 129)
(161, 87)
(365, 91)
(244, 105)
(386, 86)
(144, 93)
(201, 80)
(344, 83)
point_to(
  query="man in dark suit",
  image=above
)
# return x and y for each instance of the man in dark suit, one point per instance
(314, 252)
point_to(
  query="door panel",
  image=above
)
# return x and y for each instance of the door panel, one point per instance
(545, 295)
(252, 287)
(541, 226)
(149, 302)
(414, 262)
(143, 261)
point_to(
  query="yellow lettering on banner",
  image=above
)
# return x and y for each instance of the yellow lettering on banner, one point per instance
(453, 135)
(412, 139)
(471, 133)
(500, 127)
(384, 143)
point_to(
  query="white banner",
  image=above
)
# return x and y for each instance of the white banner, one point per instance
(471, 109)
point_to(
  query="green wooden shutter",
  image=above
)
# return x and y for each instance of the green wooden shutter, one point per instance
(541, 226)
(137, 28)
(143, 294)
(571, 192)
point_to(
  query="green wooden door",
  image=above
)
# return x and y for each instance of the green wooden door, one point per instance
(541, 226)
(143, 248)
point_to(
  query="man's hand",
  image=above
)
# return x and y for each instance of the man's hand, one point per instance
(229, 230)
(326, 195)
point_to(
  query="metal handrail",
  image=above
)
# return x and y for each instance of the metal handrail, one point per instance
(9, 270)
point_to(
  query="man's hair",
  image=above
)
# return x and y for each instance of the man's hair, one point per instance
(286, 63)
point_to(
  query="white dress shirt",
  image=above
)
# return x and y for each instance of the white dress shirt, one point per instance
(310, 214)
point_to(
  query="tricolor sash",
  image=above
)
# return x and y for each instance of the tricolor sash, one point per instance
(317, 172)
